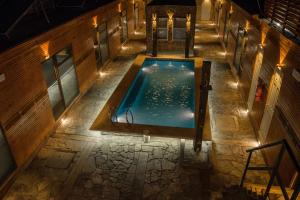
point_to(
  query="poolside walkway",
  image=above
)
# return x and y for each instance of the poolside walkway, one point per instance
(78, 164)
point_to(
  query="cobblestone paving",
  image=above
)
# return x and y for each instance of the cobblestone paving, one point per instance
(77, 163)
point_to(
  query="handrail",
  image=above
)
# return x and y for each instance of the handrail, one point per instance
(264, 146)
(128, 110)
(112, 115)
(285, 147)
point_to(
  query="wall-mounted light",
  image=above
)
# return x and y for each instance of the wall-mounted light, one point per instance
(45, 49)
(64, 121)
(95, 21)
(154, 22)
(170, 14)
(188, 22)
(119, 7)
(280, 65)
(247, 26)
(260, 48)
(231, 9)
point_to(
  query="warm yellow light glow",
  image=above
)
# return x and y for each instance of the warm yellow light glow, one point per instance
(123, 47)
(154, 17)
(95, 21)
(264, 32)
(231, 9)
(45, 49)
(64, 121)
(119, 7)
(102, 74)
(188, 22)
(247, 26)
(285, 46)
(244, 112)
(170, 14)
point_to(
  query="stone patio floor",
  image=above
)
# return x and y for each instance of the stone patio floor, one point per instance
(77, 163)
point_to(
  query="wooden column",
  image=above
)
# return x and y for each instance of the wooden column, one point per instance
(154, 34)
(170, 25)
(188, 35)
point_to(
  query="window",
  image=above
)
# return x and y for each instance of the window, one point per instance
(179, 32)
(162, 29)
(60, 76)
(7, 163)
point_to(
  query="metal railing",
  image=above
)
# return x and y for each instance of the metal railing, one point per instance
(129, 111)
(274, 170)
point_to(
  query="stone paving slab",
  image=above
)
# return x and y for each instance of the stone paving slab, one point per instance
(78, 164)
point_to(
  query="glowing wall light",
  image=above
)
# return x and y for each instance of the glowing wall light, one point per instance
(231, 9)
(188, 22)
(45, 49)
(95, 21)
(247, 26)
(119, 7)
(170, 14)
(154, 22)
(285, 46)
(264, 32)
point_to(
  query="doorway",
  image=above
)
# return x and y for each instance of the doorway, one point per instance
(8, 164)
(124, 26)
(61, 79)
(206, 8)
(255, 77)
(239, 48)
(272, 98)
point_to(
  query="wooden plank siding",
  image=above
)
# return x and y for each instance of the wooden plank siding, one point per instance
(277, 50)
(25, 109)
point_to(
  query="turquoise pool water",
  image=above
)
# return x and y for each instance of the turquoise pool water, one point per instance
(162, 94)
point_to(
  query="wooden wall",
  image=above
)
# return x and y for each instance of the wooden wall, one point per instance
(277, 50)
(25, 109)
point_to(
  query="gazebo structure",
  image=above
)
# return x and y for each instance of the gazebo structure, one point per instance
(170, 26)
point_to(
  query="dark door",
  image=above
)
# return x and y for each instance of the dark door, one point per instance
(240, 43)
(124, 26)
(7, 163)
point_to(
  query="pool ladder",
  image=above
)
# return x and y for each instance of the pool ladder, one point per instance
(112, 115)
(131, 114)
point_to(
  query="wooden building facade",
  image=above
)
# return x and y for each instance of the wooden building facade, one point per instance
(34, 96)
(266, 65)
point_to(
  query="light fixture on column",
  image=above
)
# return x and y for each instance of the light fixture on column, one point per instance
(188, 22)
(170, 14)
(45, 49)
(95, 21)
(280, 66)
(260, 48)
(231, 10)
(154, 23)
(119, 7)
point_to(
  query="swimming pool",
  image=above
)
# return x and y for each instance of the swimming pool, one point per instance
(162, 94)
